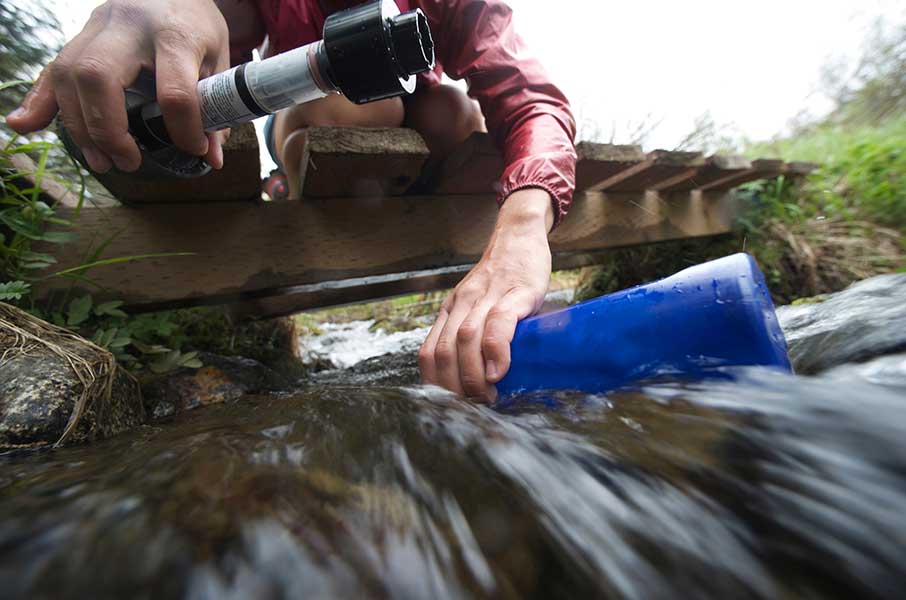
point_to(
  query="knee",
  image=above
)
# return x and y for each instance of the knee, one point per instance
(337, 111)
(444, 116)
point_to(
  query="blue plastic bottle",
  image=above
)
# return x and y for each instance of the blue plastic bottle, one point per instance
(717, 314)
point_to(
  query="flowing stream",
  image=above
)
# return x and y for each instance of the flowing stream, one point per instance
(770, 486)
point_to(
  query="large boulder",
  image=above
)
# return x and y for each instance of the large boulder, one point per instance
(56, 387)
(866, 320)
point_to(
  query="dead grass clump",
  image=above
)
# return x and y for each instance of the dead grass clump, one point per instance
(22, 334)
(821, 256)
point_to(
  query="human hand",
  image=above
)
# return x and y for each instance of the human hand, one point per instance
(467, 350)
(179, 40)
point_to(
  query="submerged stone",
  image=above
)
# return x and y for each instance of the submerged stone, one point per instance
(221, 379)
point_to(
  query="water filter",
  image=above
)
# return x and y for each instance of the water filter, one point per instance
(691, 325)
(368, 53)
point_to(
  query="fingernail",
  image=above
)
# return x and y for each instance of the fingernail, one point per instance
(96, 161)
(490, 369)
(19, 112)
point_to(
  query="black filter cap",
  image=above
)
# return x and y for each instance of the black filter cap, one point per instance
(374, 52)
(412, 42)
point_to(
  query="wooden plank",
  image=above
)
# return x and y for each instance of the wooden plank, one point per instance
(761, 169)
(798, 169)
(295, 299)
(291, 300)
(658, 166)
(715, 168)
(243, 248)
(239, 180)
(474, 167)
(52, 191)
(340, 162)
(599, 162)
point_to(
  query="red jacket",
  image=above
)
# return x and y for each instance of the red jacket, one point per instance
(528, 117)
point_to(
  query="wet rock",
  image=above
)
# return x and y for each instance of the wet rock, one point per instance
(47, 374)
(221, 379)
(400, 368)
(866, 320)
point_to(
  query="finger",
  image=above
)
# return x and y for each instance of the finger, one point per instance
(38, 108)
(499, 329)
(216, 140)
(426, 365)
(70, 115)
(446, 353)
(100, 80)
(41, 104)
(62, 72)
(468, 350)
(177, 63)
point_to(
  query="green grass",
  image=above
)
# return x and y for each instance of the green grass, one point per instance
(862, 173)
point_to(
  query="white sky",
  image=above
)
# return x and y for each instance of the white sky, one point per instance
(753, 65)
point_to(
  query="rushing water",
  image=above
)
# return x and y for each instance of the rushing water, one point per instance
(772, 486)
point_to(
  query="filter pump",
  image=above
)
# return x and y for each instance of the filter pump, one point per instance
(368, 53)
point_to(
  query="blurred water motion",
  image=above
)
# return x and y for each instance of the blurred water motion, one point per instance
(771, 486)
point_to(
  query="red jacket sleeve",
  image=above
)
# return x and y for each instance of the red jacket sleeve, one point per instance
(528, 117)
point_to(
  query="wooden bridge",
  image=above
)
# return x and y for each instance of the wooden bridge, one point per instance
(379, 217)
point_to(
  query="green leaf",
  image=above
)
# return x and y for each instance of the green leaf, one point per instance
(166, 363)
(79, 311)
(108, 338)
(57, 237)
(13, 83)
(193, 363)
(121, 340)
(150, 349)
(110, 309)
(28, 255)
(34, 266)
(13, 290)
(114, 261)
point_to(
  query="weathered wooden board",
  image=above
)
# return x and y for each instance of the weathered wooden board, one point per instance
(239, 180)
(242, 248)
(760, 169)
(798, 169)
(360, 162)
(715, 168)
(658, 166)
(291, 300)
(474, 167)
(599, 162)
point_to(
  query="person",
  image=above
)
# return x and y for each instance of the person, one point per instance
(468, 348)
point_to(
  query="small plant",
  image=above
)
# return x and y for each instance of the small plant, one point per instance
(147, 341)
(28, 224)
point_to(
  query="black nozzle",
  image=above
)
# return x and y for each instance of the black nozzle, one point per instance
(412, 42)
(373, 52)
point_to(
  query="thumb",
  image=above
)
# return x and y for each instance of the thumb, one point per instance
(38, 108)
(499, 329)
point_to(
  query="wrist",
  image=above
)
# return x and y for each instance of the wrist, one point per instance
(528, 208)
